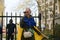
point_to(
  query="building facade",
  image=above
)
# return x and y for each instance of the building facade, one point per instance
(1, 7)
(46, 8)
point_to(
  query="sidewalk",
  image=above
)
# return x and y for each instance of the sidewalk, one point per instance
(3, 39)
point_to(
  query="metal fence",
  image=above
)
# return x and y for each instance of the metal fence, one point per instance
(4, 22)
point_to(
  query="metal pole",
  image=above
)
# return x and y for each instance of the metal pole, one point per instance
(54, 18)
(6, 24)
(39, 15)
(11, 15)
(45, 13)
(2, 26)
(16, 24)
(20, 17)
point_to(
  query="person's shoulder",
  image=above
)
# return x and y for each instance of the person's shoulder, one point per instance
(13, 24)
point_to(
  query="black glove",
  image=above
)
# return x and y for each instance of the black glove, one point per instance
(36, 31)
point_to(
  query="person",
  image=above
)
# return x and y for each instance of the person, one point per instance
(28, 23)
(0, 31)
(10, 30)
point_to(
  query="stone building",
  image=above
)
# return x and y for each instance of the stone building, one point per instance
(1, 7)
(46, 8)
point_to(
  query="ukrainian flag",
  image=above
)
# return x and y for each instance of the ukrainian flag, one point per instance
(19, 33)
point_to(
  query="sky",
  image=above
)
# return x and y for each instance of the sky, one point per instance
(19, 7)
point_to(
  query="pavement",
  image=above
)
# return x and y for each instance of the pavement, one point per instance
(3, 39)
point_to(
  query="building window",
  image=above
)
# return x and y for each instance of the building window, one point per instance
(56, 14)
(56, 7)
(51, 15)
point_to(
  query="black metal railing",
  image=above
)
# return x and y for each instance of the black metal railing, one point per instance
(6, 18)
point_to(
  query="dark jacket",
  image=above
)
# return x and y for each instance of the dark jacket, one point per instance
(11, 27)
(0, 29)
